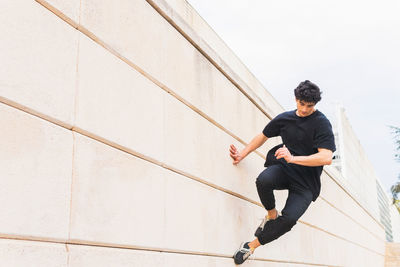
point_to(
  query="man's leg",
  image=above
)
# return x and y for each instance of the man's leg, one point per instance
(270, 179)
(296, 204)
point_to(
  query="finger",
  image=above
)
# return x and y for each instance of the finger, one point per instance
(280, 150)
(280, 155)
(283, 151)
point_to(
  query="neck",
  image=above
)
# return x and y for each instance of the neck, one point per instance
(297, 113)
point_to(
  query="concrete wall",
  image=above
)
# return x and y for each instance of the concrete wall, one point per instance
(117, 118)
(392, 255)
(358, 172)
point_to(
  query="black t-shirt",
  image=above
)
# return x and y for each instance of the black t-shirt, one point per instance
(302, 136)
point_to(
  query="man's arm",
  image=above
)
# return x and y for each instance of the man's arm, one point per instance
(257, 141)
(322, 157)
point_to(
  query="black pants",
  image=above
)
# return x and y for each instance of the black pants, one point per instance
(297, 202)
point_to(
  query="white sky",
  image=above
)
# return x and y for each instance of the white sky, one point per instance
(350, 49)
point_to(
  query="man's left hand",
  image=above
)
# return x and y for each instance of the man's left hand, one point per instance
(283, 152)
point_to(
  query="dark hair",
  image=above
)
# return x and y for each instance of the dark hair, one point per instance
(308, 92)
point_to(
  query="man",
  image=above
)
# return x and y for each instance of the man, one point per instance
(296, 165)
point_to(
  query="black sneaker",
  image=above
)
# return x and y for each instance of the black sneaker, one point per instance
(243, 253)
(264, 221)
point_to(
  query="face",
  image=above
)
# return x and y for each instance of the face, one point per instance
(304, 109)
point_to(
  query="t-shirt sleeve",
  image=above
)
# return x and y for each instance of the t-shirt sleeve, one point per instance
(273, 128)
(323, 137)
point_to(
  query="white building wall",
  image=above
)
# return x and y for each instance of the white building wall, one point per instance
(357, 170)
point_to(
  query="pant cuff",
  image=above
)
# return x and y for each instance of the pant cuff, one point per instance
(260, 239)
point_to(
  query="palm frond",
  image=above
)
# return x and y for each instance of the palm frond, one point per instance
(397, 205)
(396, 135)
(395, 189)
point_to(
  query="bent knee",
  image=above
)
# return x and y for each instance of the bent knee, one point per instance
(263, 182)
(289, 221)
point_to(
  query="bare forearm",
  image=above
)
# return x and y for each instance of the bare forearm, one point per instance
(317, 159)
(257, 141)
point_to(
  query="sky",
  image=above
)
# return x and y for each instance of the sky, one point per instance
(350, 49)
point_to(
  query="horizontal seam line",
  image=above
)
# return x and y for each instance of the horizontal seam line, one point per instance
(355, 200)
(209, 58)
(351, 218)
(127, 247)
(340, 237)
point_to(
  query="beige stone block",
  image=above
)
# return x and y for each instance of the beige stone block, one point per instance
(203, 219)
(21, 253)
(35, 181)
(117, 198)
(217, 97)
(117, 103)
(201, 149)
(187, 19)
(330, 219)
(333, 193)
(336, 195)
(133, 37)
(173, 260)
(310, 245)
(39, 60)
(303, 244)
(228, 106)
(83, 256)
(158, 49)
(109, 204)
(68, 8)
(236, 216)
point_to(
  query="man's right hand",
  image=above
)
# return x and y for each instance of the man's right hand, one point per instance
(235, 155)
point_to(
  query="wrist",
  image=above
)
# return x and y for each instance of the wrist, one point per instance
(291, 159)
(243, 153)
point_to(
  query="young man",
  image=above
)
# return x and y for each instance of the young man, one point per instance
(296, 165)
